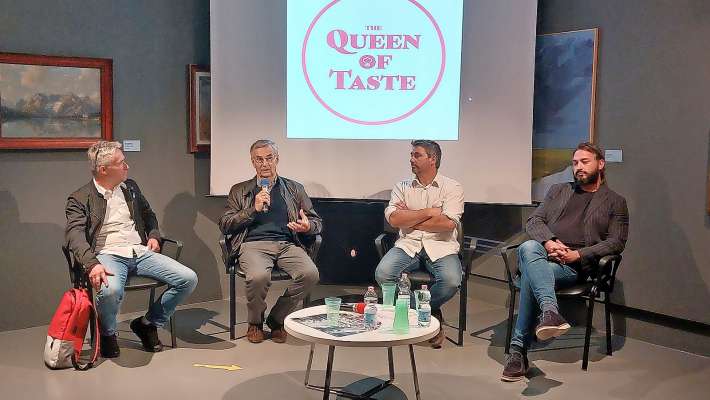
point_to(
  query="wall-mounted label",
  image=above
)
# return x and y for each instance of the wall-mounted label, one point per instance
(613, 156)
(131, 145)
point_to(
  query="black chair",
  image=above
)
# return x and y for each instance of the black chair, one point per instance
(134, 283)
(231, 264)
(599, 284)
(385, 241)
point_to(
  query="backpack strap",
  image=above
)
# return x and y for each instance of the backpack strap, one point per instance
(92, 316)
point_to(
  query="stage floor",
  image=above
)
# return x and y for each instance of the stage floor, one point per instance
(637, 370)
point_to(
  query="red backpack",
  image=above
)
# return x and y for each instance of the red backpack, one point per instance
(67, 330)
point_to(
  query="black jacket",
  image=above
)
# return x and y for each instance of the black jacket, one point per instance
(240, 211)
(85, 213)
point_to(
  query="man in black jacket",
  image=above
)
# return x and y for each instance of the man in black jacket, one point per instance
(576, 225)
(266, 216)
(113, 233)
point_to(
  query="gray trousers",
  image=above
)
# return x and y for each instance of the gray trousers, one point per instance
(257, 259)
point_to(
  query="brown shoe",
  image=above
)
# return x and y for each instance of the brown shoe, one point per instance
(255, 333)
(279, 335)
(438, 340)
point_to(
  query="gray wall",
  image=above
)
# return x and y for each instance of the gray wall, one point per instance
(150, 42)
(652, 102)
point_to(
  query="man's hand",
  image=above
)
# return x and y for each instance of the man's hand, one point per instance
(262, 198)
(555, 249)
(569, 257)
(97, 276)
(301, 225)
(153, 245)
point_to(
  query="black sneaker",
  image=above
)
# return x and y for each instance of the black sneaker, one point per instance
(148, 335)
(516, 366)
(109, 346)
(551, 326)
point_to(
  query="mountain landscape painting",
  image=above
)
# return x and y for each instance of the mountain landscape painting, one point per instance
(49, 101)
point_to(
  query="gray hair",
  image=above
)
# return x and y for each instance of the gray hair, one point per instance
(101, 153)
(431, 147)
(263, 143)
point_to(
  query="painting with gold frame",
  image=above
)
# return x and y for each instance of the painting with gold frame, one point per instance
(52, 102)
(564, 104)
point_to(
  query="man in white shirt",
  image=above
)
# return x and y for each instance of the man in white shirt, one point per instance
(427, 210)
(113, 233)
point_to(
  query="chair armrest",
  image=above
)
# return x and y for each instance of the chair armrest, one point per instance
(505, 249)
(466, 254)
(504, 253)
(178, 245)
(77, 275)
(314, 247)
(383, 243)
(604, 261)
(605, 274)
(224, 246)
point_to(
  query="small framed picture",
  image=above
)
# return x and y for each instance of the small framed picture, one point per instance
(198, 88)
(51, 102)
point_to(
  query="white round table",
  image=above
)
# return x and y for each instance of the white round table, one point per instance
(384, 336)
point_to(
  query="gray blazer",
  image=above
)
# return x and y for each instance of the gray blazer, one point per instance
(606, 222)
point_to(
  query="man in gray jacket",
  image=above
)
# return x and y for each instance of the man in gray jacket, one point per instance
(577, 224)
(266, 217)
(113, 233)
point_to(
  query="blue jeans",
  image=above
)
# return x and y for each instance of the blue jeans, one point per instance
(538, 279)
(446, 271)
(180, 279)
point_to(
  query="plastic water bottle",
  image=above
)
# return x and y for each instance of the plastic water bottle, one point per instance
(404, 287)
(370, 316)
(424, 310)
(370, 296)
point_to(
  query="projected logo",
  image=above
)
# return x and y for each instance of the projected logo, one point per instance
(373, 62)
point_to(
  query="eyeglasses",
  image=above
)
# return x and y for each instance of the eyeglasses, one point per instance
(262, 161)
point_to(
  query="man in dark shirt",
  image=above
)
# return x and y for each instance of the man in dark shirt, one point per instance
(266, 217)
(576, 225)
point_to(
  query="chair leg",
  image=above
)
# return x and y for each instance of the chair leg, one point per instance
(588, 333)
(151, 299)
(232, 305)
(463, 294)
(509, 328)
(608, 323)
(173, 339)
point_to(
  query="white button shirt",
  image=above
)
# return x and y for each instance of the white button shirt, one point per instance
(444, 193)
(118, 234)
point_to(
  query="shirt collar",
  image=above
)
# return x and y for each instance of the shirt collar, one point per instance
(103, 191)
(435, 183)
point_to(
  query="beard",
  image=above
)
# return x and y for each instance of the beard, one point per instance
(589, 178)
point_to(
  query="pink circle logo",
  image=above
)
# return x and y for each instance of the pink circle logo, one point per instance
(370, 61)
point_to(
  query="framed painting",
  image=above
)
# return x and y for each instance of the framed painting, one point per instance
(50, 102)
(564, 104)
(198, 88)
